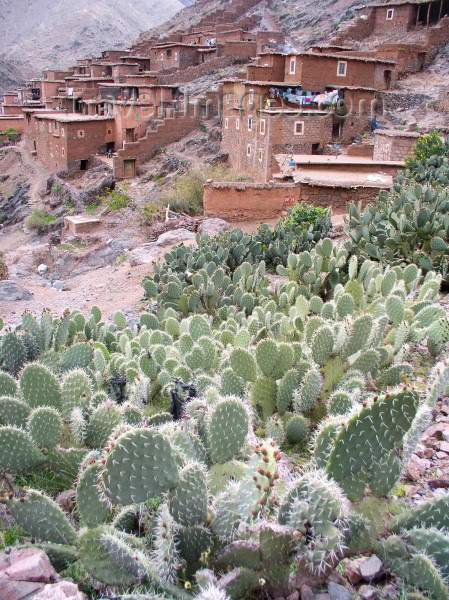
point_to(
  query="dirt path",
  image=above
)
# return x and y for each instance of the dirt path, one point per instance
(39, 174)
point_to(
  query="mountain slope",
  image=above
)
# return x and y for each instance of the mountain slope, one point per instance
(36, 34)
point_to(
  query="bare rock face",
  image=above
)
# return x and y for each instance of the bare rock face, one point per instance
(10, 291)
(14, 208)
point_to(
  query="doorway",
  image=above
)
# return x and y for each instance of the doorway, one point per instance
(388, 75)
(129, 167)
(129, 135)
(83, 165)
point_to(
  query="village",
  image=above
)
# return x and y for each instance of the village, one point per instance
(304, 126)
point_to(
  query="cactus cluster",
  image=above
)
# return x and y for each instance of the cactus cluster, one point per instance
(172, 430)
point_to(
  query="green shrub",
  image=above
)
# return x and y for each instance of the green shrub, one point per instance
(426, 147)
(303, 215)
(114, 200)
(38, 220)
(187, 193)
(149, 213)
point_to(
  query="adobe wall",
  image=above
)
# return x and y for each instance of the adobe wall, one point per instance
(241, 201)
(252, 201)
(394, 147)
(403, 19)
(240, 49)
(317, 130)
(314, 72)
(16, 122)
(169, 131)
(365, 150)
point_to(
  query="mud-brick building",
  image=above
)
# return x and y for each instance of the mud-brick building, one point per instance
(315, 70)
(252, 140)
(405, 15)
(174, 56)
(65, 142)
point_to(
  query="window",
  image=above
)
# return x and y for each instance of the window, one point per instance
(390, 13)
(248, 150)
(63, 152)
(169, 52)
(292, 66)
(251, 97)
(299, 127)
(226, 123)
(250, 123)
(262, 127)
(62, 132)
(81, 133)
(261, 154)
(341, 68)
(237, 123)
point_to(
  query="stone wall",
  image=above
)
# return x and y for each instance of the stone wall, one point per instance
(395, 146)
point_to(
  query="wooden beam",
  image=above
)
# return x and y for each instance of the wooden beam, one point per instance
(428, 14)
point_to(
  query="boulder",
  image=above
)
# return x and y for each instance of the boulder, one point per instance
(62, 590)
(212, 227)
(338, 592)
(371, 568)
(144, 254)
(174, 237)
(150, 252)
(10, 291)
(34, 567)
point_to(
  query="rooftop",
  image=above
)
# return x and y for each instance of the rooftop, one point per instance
(73, 117)
(397, 133)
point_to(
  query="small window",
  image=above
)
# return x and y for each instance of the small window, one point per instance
(109, 131)
(251, 97)
(16, 100)
(341, 68)
(226, 123)
(81, 133)
(292, 66)
(63, 152)
(390, 13)
(248, 150)
(169, 52)
(237, 123)
(261, 154)
(299, 127)
(262, 127)
(62, 132)
(250, 123)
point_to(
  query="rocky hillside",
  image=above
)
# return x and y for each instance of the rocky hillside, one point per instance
(36, 34)
(304, 21)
